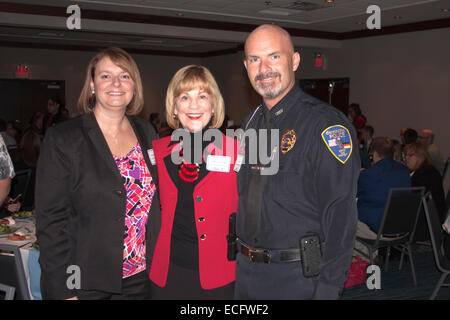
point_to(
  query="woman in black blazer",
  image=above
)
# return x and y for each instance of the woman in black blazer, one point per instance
(424, 174)
(95, 193)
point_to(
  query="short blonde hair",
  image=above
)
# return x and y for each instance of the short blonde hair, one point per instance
(186, 79)
(121, 58)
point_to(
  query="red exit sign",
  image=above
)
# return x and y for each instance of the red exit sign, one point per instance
(318, 62)
(21, 71)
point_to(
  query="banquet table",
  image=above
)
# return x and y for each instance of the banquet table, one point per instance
(29, 255)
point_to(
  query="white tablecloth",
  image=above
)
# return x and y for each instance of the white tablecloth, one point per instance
(27, 227)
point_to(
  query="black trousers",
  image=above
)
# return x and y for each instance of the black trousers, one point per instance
(136, 287)
(184, 284)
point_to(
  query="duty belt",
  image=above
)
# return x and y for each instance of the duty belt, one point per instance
(269, 255)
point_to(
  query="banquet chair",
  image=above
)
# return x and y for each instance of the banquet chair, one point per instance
(12, 271)
(8, 291)
(436, 234)
(397, 225)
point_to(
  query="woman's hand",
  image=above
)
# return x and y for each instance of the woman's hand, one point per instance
(13, 207)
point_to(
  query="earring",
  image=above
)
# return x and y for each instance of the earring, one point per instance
(92, 92)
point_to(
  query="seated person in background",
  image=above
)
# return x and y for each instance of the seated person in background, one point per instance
(410, 136)
(366, 135)
(424, 173)
(6, 172)
(53, 116)
(374, 185)
(402, 135)
(355, 115)
(426, 138)
(164, 130)
(9, 133)
(398, 154)
(26, 158)
(155, 120)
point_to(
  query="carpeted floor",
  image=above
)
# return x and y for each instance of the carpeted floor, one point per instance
(398, 285)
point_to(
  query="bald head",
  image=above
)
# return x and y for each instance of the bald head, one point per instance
(426, 137)
(271, 62)
(273, 31)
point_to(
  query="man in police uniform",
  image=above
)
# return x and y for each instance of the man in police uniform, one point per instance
(313, 191)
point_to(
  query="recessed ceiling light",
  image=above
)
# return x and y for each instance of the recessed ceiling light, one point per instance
(329, 1)
(179, 14)
(398, 17)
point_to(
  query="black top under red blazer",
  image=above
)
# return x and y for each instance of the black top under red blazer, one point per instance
(215, 199)
(81, 205)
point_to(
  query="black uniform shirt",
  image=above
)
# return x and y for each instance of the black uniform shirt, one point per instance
(312, 192)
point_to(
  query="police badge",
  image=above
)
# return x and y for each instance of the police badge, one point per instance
(288, 141)
(338, 140)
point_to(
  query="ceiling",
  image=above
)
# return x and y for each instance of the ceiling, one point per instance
(206, 27)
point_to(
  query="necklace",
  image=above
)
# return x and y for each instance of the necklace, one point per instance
(188, 171)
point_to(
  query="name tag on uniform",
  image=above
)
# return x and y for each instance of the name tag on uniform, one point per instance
(151, 155)
(218, 163)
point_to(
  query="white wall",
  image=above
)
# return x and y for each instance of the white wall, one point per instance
(231, 76)
(400, 80)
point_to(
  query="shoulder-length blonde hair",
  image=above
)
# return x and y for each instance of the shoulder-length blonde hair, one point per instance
(121, 58)
(420, 152)
(192, 77)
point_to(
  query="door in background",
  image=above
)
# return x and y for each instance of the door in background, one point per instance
(22, 97)
(332, 91)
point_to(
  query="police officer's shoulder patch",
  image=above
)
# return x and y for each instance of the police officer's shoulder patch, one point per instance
(338, 140)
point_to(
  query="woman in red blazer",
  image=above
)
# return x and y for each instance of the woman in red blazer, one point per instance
(198, 193)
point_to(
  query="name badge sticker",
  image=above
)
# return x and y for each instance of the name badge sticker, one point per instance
(151, 155)
(218, 163)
